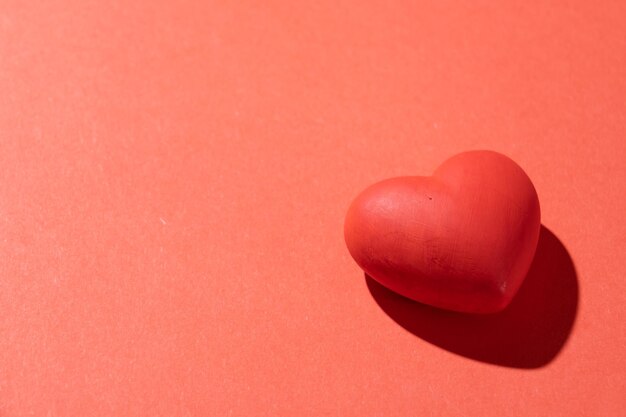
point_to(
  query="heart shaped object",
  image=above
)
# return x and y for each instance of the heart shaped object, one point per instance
(462, 239)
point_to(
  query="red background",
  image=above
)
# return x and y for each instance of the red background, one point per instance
(173, 182)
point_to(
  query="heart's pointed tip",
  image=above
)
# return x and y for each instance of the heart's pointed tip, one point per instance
(493, 306)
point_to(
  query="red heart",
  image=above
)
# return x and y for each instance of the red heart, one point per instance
(462, 239)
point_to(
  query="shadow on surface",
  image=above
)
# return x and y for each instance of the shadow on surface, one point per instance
(529, 333)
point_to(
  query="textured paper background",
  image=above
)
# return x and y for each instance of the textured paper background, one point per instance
(173, 181)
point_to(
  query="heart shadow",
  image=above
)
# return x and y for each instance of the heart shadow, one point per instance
(529, 333)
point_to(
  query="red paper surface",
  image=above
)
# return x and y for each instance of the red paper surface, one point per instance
(174, 178)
